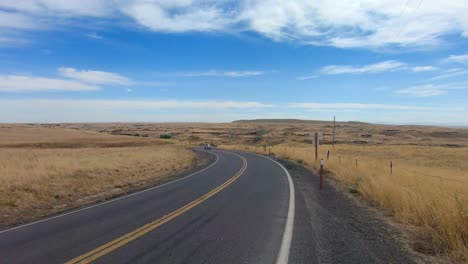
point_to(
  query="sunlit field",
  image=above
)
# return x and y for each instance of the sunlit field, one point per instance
(58, 171)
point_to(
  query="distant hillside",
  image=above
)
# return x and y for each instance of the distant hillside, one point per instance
(301, 121)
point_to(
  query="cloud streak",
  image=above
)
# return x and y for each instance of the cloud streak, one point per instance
(18, 83)
(109, 104)
(73, 80)
(318, 106)
(380, 67)
(463, 58)
(429, 90)
(216, 73)
(345, 24)
(94, 77)
(423, 68)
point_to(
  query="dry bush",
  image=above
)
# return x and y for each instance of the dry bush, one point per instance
(40, 179)
(428, 188)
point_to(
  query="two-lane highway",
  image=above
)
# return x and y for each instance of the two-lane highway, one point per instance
(238, 210)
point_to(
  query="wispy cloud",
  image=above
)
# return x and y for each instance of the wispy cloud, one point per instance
(463, 58)
(429, 90)
(338, 23)
(383, 66)
(74, 80)
(423, 68)
(94, 77)
(142, 104)
(94, 36)
(318, 106)
(18, 83)
(214, 73)
(13, 20)
(380, 67)
(452, 73)
(303, 78)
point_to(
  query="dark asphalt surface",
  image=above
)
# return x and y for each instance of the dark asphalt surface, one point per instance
(244, 223)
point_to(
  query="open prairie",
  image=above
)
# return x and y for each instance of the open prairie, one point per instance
(46, 169)
(426, 191)
(50, 166)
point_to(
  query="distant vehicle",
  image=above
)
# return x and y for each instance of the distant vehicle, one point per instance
(207, 147)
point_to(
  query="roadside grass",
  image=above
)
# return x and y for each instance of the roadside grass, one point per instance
(45, 170)
(428, 189)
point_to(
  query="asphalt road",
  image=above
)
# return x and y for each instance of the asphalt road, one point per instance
(243, 208)
(234, 211)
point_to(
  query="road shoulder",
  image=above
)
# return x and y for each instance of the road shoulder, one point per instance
(332, 227)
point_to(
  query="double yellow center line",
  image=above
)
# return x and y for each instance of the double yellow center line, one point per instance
(119, 242)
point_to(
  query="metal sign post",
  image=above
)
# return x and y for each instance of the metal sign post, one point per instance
(316, 143)
(321, 174)
(316, 137)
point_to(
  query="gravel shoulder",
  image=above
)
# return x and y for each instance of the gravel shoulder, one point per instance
(331, 227)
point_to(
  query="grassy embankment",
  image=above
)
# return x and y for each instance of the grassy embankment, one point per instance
(428, 190)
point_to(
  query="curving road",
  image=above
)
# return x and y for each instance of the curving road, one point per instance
(240, 209)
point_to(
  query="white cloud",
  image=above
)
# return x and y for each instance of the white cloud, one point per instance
(178, 16)
(140, 104)
(318, 106)
(303, 78)
(77, 80)
(10, 20)
(216, 73)
(171, 104)
(94, 36)
(423, 68)
(452, 73)
(362, 23)
(383, 66)
(95, 77)
(429, 90)
(18, 83)
(61, 8)
(8, 41)
(458, 58)
(423, 90)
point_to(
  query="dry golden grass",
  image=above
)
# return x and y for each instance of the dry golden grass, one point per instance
(428, 188)
(39, 179)
(427, 191)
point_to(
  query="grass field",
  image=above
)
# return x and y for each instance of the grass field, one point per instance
(427, 190)
(45, 170)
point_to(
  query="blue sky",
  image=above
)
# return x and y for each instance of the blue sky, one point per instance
(399, 62)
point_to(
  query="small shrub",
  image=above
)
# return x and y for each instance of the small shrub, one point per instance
(165, 136)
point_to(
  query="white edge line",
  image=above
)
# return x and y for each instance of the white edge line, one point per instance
(283, 255)
(112, 200)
